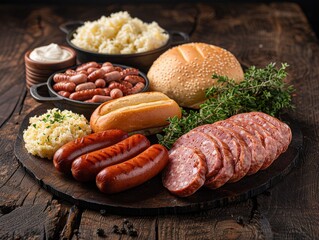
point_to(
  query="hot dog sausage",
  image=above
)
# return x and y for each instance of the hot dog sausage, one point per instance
(129, 71)
(87, 166)
(85, 86)
(64, 86)
(133, 172)
(96, 75)
(86, 66)
(66, 154)
(86, 94)
(78, 78)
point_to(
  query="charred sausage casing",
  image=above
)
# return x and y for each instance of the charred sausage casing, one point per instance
(87, 166)
(133, 172)
(66, 154)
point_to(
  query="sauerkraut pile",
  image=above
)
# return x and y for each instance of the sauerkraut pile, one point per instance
(48, 132)
(119, 34)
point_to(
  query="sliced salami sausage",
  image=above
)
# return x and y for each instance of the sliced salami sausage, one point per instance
(227, 170)
(281, 126)
(241, 157)
(207, 146)
(254, 145)
(275, 132)
(185, 172)
(243, 163)
(272, 146)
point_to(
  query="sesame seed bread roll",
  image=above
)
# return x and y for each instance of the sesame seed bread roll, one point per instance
(140, 112)
(184, 72)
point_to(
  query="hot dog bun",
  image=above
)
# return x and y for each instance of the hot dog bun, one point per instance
(184, 72)
(135, 112)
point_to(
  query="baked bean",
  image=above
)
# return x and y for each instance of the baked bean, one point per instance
(96, 75)
(112, 76)
(84, 86)
(79, 78)
(100, 83)
(116, 93)
(64, 86)
(101, 98)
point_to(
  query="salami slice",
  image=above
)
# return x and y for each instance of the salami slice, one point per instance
(207, 146)
(253, 145)
(281, 126)
(235, 145)
(227, 170)
(185, 172)
(269, 143)
(243, 163)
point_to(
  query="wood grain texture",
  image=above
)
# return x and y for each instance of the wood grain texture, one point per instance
(255, 33)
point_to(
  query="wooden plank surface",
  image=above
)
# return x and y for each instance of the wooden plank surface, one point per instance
(256, 33)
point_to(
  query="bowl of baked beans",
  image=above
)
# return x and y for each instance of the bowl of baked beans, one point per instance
(84, 87)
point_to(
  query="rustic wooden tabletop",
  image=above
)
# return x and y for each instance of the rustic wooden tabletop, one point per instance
(257, 34)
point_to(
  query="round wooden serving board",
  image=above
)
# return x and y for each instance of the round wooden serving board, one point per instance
(152, 197)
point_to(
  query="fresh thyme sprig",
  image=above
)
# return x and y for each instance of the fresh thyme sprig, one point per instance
(262, 90)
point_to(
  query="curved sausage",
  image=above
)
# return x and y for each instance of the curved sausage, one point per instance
(64, 86)
(78, 78)
(59, 77)
(99, 73)
(133, 79)
(87, 166)
(86, 66)
(85, 86)
(133, 172)
(66, 154)
(86, 94)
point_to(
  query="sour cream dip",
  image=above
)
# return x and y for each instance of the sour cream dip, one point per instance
(51, 53)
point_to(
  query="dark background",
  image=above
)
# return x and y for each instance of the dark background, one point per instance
(310, 7)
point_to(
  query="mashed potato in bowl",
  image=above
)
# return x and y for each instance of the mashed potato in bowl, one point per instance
(119, 34)
(49, 131)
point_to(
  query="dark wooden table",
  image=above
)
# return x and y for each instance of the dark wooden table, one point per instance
(256, 33)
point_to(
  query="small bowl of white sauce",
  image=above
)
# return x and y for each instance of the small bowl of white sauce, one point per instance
(42, 61)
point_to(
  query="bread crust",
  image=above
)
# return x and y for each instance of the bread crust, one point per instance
(184, 72)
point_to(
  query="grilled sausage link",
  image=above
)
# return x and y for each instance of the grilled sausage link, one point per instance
(66, 154)
(133, 172)
(87, 166)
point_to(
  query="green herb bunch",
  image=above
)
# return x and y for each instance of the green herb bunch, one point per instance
(261, 90)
